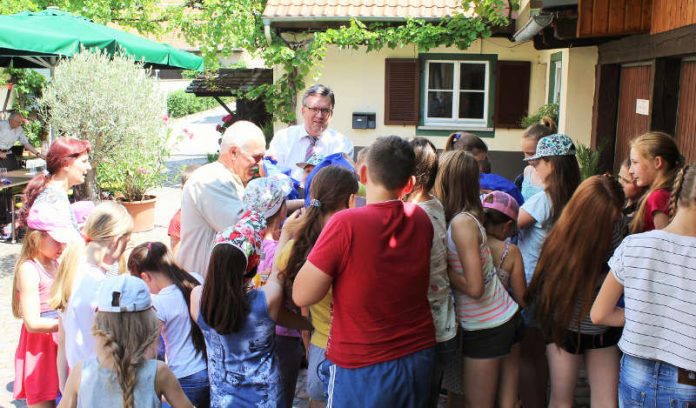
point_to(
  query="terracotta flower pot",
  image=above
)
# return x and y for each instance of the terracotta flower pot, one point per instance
(143, 213)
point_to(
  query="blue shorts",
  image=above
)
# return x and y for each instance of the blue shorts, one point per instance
(403, 382)
(317, 374)
(650, 383)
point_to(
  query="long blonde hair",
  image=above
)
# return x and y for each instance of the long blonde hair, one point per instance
(30, 249)
(652, 145)
(127, 337)
(109, 220)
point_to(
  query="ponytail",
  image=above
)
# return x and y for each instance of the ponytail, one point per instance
(35, 187)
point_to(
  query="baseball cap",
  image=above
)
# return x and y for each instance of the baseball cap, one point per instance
(502, 202)
(44, 217)
(82, 210)
(313, 160)
(554, 145)
(123, 293)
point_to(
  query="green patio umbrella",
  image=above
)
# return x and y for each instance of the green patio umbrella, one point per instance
(40, 39)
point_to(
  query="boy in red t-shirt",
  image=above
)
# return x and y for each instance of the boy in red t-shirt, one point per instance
(377, 259)
(174, 230)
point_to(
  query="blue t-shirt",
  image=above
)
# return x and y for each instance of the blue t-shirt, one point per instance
(532, 237)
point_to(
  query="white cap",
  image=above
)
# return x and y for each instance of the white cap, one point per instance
(123, 293)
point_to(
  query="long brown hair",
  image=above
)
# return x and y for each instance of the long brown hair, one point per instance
(224, 303)
(155, 257)
(573, 255)
(561, 182)
(457, 184)
(332, 187)
(652, 145)
(127, 337)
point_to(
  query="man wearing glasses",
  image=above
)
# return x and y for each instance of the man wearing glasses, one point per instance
(298, 143)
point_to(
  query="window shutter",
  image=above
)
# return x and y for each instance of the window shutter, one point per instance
(511, 93)
(401, 91)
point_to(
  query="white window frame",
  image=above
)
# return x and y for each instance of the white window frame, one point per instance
(455, 121)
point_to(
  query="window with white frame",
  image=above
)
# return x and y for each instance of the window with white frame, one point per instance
(456, 93)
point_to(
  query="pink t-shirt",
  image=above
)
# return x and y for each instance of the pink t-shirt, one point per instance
(658, 200)
(175, 225)
(379, 258)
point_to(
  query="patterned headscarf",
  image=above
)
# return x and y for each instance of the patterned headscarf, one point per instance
(245, 235)
(266, 195)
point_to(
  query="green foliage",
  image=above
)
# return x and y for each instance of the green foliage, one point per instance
(550, 110)
(180, 103)
(115, 104)
(27, 87)
(588, 159)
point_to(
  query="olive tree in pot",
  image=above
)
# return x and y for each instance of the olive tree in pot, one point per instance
(114, 102)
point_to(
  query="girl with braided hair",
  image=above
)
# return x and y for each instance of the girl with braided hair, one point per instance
(654, 271)
(124, 370)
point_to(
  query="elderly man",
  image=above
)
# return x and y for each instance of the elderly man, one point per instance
(212, 196)
(10, 132)
(298, 143)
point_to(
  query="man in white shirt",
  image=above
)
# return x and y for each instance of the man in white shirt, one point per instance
(298, 143)
(212, 196)
(10, 132)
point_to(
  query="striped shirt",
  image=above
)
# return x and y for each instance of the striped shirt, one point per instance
(495, 306)
(658, 272)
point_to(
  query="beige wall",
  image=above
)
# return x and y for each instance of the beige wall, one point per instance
(357, 79)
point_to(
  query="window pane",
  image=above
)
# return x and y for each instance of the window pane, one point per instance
(441, 75)
(471, 105)
(439, 104)
(472, 76)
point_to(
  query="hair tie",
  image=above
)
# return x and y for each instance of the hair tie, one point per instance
(456, 137)
(86, 238)
(315, 203)
(149, 246)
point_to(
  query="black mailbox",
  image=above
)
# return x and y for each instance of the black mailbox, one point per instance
(364, 120)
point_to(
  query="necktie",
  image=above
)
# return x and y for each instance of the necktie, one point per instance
(310, 148)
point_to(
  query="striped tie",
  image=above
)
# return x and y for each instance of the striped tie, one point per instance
(310, 148)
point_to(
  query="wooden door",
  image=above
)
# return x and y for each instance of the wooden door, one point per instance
(686, 112)
(634, 88)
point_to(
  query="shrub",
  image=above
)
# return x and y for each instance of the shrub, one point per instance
(180, 103)
(115, 103)
(550, 110)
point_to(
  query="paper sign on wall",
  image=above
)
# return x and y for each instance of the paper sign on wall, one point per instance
(643, 107)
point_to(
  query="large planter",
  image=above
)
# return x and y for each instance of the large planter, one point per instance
(143, 213)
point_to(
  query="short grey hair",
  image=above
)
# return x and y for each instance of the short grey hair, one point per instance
(240, 134)
(319, 89)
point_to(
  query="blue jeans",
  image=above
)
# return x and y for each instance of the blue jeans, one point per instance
(197, 388)
(650, 383)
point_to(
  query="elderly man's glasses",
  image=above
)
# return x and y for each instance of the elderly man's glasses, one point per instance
(322, 111)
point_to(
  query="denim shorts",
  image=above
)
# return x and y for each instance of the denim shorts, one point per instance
(403, 382)
(317, 374)
(197, 388)
(650, 383)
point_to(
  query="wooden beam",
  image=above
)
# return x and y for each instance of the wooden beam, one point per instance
(665, 98)
(644, 47)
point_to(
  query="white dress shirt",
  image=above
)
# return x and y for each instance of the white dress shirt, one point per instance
(9, 136)
(289, 146)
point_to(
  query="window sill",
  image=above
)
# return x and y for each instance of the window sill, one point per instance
(455, 127)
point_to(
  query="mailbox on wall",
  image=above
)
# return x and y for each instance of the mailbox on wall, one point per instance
(364, 120)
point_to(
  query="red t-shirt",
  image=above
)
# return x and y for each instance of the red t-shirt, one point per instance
(379, 258)
(175, 225)
(658, 200)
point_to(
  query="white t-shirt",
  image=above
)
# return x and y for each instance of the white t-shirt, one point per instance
(9, 136)
(173, 312)
(289, 146)
(211, 202)
(658, 272)
(78, 317)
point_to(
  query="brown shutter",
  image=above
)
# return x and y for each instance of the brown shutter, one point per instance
(401, 91)
(511, 93)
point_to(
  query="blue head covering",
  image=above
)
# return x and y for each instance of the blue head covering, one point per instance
(496, 182)
(272, 168)
(335, 159)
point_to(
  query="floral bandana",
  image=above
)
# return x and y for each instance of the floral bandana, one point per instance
(554, 145)
(245, 235)
(265, 195)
